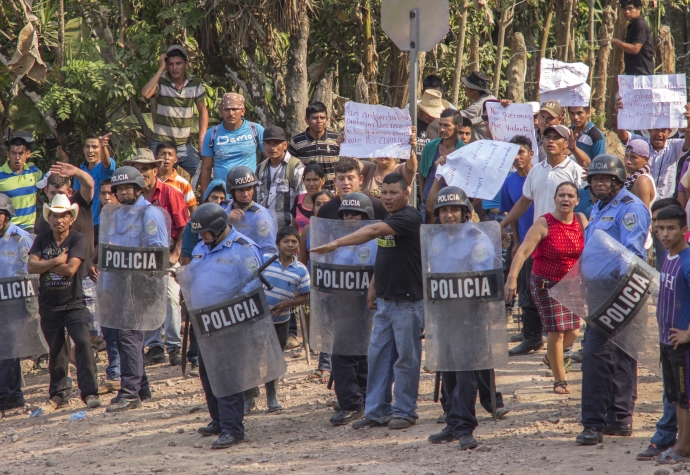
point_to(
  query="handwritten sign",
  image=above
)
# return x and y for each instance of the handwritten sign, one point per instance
(652, 102)
(479, 168)
(564, 82)
(507, 122)
(376, 131)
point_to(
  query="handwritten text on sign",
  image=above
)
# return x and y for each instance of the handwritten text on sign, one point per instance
(507, 122)
(479, 168)
(652, 102)
(564, 82)
(376, 131)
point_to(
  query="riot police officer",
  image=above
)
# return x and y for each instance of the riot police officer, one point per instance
(471, 249)
(609, 375)
(248, 217)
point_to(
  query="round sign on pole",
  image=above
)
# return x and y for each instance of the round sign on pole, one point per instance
(434, 22)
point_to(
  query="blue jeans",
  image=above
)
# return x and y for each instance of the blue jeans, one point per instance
(324, 362)
(172, 323)
(187, 156)
(667, 427)
(395, 355)
(112, 372)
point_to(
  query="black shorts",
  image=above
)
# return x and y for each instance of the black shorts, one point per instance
(675, 367)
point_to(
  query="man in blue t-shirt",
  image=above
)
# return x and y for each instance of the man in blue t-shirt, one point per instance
(231, 143)
(587, 141)
(99, 164)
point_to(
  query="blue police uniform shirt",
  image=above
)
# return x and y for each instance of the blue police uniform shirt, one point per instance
(147, 229)
(14, 251)
(259, 225)
(625, 218)
(98, 173)
(361, 255)
(190, 240)
(585, 205)
(467, 251)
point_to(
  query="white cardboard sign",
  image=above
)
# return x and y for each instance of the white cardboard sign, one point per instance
(507, 122)
(479, 168)
(376, 131)
(652, 102)
(564, 82)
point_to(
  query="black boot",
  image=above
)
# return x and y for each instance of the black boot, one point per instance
(272, 396)
(249, 403)
(526, 347)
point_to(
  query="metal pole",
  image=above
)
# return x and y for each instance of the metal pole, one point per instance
(414, 49)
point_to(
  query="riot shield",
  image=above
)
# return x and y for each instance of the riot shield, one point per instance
(340, 322)
(260, 225)
(614, 291)
(20, 323)
(464, 312)
(232, 322)
(133, 260)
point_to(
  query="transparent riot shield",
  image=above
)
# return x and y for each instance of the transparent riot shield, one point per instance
(260, 225)
(232, 323)
(464, 312)
(615, 292)
(20, 323)
(340, 322)
(133, 260)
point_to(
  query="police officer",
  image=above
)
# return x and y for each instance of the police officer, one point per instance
(350, 371)
(220, 242)
(250, 218)
(609, 375)
(459, 388)
(127, 184)
(13, 257)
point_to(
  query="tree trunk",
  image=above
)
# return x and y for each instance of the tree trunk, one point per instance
(517, 69)
(616, 68)
(296, 83)
(370, 56)
(323, 92)
(599, 79)
(60, 59)
(398, 77)
(506, 19)
(474, 53)
(277, 71)
(543, 43)
(459, 51)
(664, 51)
(568, 4)
(361, 90)
(590, 37)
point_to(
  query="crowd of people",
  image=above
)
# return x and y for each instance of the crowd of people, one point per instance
(259, 190)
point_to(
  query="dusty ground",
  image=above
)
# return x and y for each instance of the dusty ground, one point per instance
(537, 437)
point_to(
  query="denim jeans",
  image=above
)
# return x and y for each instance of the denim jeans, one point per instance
(187, 156)
(324, 362)
(112, 372)
(88, 287)
(395, 355)
(172, 323)
(667, 427)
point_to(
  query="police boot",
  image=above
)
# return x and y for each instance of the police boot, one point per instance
(249, 403)
(272, 396)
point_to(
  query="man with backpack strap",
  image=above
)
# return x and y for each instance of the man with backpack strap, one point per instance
(231, 143)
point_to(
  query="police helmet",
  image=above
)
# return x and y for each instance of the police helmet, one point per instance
(125, 176)
(606, 164)
(6, 205)
(358, 202)
(452, 196)
(240, 177)
(209, 217)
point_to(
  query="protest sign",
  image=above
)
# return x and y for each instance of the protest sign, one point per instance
(652, 102)
(507, 122)
(479, 168)
(376, 131)
(564, 82)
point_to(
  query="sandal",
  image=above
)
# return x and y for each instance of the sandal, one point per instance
(315, 374)
(560, 387)
(671, 457)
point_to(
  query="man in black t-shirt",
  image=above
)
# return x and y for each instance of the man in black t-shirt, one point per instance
(348, 179)
(396, 294)
(57, 255)
(638, 49)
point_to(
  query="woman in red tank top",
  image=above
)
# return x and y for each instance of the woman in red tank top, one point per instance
(555, 241)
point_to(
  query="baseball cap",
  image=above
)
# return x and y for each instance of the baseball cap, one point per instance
(274, 133)
(552, 107)
(561, 130)
(638, 147)
(178, 48)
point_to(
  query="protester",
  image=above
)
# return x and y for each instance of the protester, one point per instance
(167, 152)
(317, 144)
(303, 207)
(464, 130)
(586, 140)
(374, 173)
(396, 293)
(477, 90)
(429, 108)
(550, 113)
(639, 182)
(58, 255)
(432, 81)
(18, 180)
(555, 242)
(638, 50)
(348, 179)
(230, 144)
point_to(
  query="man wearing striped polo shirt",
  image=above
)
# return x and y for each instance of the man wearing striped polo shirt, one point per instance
(18, 181)
(177, 92)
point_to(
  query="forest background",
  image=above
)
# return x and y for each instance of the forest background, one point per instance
(76, 67)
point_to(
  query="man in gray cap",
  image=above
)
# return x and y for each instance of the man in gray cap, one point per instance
(477, 90)
(175, 92)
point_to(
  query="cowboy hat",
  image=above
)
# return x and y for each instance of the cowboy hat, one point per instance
(60, 204)
(144, 155)
(477, 80)
(431, 103)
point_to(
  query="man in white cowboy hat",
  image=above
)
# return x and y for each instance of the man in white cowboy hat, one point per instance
(429, 108)
(477, 90)
(57, 255)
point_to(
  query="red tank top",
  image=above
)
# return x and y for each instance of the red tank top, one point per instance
(556, 254)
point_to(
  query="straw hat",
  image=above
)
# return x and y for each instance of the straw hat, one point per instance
(432, 103)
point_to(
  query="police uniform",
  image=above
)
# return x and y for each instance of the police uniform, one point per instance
(259, 225)
(13, 259)
(226, 412)
(609, 375)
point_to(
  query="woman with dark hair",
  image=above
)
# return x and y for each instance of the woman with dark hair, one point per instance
(555, 242)
(303, 207)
